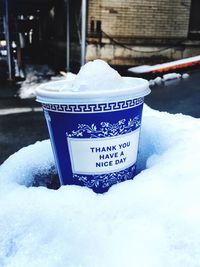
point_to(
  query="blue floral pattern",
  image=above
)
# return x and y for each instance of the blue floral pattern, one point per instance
(106, 129)
(105, 180)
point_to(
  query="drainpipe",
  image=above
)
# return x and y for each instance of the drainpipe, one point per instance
(6, 22)
(83, 31)
(67, 36)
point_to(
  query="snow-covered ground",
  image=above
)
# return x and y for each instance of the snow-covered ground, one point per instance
(36, 75)
(151, 221)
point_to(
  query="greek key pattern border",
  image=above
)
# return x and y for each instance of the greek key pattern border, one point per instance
(96, 108)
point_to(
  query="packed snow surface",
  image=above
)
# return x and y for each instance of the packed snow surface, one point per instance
(90, 77)
(151, 221)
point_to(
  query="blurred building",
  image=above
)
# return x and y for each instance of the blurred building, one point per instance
(36, 32)
(143, 32)
(125, 32)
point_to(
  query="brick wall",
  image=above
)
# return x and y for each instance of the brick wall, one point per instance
(131, 19)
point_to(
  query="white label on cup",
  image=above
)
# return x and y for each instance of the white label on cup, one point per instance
(103, 155)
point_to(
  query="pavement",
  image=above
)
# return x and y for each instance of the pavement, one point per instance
(177, 96)
(22, 122)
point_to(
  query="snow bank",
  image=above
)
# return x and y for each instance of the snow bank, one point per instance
(36, 75)
(168, 77)
(158, 80)
(171, 76)
(185, 76)
(151, 221)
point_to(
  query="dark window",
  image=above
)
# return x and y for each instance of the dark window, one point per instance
(98, 26)
(92, 25)
(194, 26)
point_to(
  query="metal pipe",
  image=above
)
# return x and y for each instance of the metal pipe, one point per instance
(83, 31)
(7, 37)
(67, 36)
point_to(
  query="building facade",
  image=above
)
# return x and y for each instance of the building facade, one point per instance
(141, 31)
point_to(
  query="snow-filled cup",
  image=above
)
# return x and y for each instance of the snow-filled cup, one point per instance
(94, 134)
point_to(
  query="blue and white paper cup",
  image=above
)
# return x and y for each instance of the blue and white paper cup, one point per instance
(94, 135)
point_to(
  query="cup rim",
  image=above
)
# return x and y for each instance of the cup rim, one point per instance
(48, 93)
